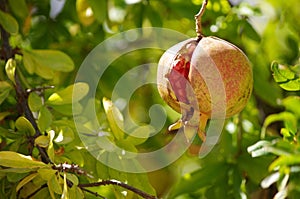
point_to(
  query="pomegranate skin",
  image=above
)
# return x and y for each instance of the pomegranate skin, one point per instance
(216, 55)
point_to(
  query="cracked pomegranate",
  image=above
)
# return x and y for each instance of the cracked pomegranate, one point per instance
(181, 80)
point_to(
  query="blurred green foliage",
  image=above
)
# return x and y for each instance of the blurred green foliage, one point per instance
(258, 155)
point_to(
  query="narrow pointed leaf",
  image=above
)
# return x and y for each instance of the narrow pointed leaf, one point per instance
(17, 160)
(25, 180)
(9, 23)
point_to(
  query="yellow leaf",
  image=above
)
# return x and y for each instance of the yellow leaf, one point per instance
(25, 180)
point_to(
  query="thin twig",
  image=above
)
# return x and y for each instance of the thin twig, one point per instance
(198, 19)
(39, 89)
(71, 168)
(120, 184)
(92, 192)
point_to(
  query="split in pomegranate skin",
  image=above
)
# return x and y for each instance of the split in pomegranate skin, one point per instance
(181, 82)
(179, 73)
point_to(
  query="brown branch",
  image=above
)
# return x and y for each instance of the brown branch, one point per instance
(21, 94)
(92, 192)
(72, 168)
(120, 184)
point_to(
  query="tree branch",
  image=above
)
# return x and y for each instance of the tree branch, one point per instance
(23, 107)
(92, 192)
(120, 184)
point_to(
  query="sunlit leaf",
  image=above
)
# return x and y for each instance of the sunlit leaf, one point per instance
(285, 160)
(115, 118)
(292, 103)
(17, 170)
(65, 194)
(50, 149)
(34, 102)
(44, 119)
(25, 126)
(25, 180)
(285, 77)
(85, 12)
(46, 173)
(4, 90)
(289, 119)
(17, 160)
(42, 141)
(10, 69)
(65, 135)
(8, 23)
(68, 96)
(46, 62)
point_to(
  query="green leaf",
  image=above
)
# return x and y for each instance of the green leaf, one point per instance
(54, 185)
(83, 12)
(4, 90)
(65, 194)
(73, 178)
(203, 177)
(46, 173)
(76, 193)
(285, 77)
(23, 125)
(10, 69)
(68, 109)
(292, 104)
(34, 102)
(17, 170)
(3, 115)
(128, 150)
(46, 62)
(154, 17)
(140, 135)
(99, 9)
(44, 119)
(16, 177)
(285, 160)
(115, 118)
(50, 149)
(9, 23)
(65, 135)
(17, 160)
(71, 94)
(25, 180)
(247, 29)
(42, 141)
(289, 119)
(19, 8)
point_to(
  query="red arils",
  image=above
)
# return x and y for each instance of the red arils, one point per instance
(178, 78)
(179, 73)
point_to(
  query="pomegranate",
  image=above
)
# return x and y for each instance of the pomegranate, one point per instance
(181, 82)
